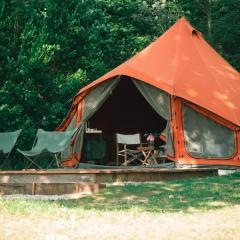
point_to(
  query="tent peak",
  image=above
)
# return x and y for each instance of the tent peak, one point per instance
(183, 21)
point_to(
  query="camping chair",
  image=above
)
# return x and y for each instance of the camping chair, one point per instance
(129, 155)
(7, 143)
(48, 144)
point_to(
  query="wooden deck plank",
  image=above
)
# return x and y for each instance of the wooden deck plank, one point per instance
(48, 188)
(102, 175)
(106, 171)
(46, 178)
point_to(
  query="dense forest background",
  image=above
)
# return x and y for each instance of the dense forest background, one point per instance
(51, 48)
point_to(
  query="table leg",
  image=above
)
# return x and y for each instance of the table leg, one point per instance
(146, 157)
(152, 158)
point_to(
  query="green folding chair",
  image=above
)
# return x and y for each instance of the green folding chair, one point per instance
(47, 144)
(7, 143)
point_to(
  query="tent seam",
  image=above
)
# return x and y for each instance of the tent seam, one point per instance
(177, 57)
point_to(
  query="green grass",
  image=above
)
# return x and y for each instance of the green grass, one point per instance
(181, 196)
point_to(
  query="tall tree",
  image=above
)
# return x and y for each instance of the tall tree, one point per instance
(51, 48)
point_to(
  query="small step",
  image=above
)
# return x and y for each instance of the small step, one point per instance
(45, 177)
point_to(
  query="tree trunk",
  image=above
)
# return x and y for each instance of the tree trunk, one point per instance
(209, 18)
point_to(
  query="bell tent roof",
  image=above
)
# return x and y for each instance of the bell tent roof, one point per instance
(183, 64)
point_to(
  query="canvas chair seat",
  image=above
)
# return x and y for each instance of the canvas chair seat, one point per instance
(132, 151)
(48, 144)
(7, 143)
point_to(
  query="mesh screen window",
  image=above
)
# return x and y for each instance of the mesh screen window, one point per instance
(205, 138)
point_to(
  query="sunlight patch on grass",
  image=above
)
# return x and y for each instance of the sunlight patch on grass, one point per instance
(218, 204)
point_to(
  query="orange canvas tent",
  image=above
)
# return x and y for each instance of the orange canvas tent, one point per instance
(179, 71)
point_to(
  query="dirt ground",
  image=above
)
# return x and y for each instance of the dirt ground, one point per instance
(216, 224)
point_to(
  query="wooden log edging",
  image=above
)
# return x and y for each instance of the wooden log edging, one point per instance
(153, 176)
(48, 188)
(91, 176)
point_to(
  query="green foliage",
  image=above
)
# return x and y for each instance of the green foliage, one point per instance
(49, 49)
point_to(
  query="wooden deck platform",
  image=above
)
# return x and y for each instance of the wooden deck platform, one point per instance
(50, 182)
(129, 174)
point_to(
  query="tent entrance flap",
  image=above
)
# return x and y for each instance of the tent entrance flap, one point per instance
(126, 111)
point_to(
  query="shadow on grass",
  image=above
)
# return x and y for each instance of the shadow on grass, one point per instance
(182, 195)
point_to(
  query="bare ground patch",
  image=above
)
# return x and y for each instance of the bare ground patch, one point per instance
(69, 224)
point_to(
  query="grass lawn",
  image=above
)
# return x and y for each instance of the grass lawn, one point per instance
(185, 209)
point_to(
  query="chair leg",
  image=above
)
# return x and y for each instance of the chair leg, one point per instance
(57, 161)
(133, 158)
(32, 162)
(125, 153)
(54, 160)
(117, 163)
(50, 163)
(130, 161)
(5, 161)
